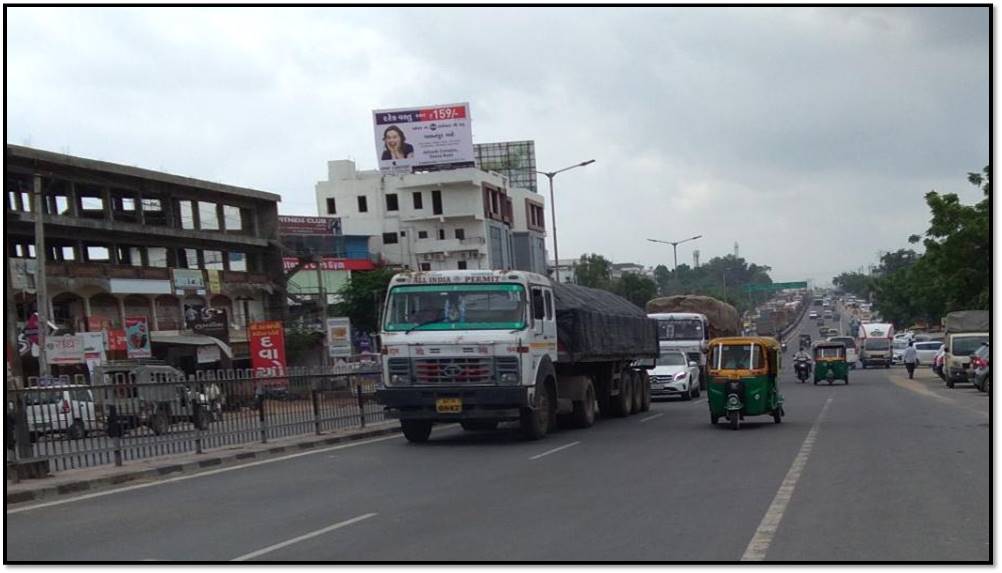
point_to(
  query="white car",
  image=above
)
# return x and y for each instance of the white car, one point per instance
(898, 350)
(60, 409)
(926, 351)
(813, 314)
(674, 375)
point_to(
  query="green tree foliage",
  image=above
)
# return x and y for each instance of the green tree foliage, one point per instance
(362, 298)
(594, 271)
(635, 288)
(858, 284)
(724, 278)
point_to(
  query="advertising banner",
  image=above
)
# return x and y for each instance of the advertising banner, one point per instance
(116, 340)
(324, 226)
(212, 322)
(188, 279)
(66, 349)
(137, 337)
(267, 348)
(339, 337)
(330, 264)
(437, 136)
(215, 284)
(206, 354)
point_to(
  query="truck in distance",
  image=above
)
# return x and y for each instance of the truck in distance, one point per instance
(485, 347)
(875, 344)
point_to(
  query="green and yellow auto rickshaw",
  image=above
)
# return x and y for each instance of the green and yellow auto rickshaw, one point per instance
(829, 362)
(743, 375)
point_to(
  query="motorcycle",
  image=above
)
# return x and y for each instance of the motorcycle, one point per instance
(803, 368)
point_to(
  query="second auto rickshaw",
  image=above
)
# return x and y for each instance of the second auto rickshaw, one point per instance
(829, 362)
(743, 377)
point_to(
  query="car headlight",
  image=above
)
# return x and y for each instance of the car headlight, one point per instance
(398, 379)
(680, 376)
(509, 378)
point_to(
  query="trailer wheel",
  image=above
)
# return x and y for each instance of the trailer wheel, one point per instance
(645, 385)
(584, 410)
(535, 422)
(638, 393)
(623, 402)
(416, 431)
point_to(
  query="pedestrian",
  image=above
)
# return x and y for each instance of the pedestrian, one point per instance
(910, 357)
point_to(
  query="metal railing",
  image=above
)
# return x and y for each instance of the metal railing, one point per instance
(70, 424)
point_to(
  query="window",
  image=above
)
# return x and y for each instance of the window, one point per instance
(436, 202)
(389, 238)
(67, 253)
(238, 261)
(62, 205)
(130, 256)
(187, 258)
(128, 204)
(98, 253)
(425, 266)
(331, 206)
(549, 305)
(208, 218)
(212, 260)
(91, 203)
(403, 233)
(232, 221)
(538, 304)
(422, 234)
(156, 256)
(461, 265)
(187, 214)
(152, 205)
(391, 202)
(363, 205)
(418, 200)
(441, 234)
(460, 234)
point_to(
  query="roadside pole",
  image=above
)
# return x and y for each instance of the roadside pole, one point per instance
(41, 292)
(324, 359)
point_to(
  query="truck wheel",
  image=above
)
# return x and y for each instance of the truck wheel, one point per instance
(416, 431)
(584, 410)
(645, 385)
(623, 403)
(638, 393)
(479, 425)
(535, 422)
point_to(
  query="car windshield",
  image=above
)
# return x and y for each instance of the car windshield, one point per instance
(680, 329)
(876, 344)
(456, 307)
(900, 344)
(964, 346)
(671, 359)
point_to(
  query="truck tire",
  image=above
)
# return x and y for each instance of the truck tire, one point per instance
(479, 425)
(622, 404)
(638, 393)
(534, 423)
(645, 384)
(416, 431)
(583, 415)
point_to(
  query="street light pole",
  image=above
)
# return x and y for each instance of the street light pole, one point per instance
(674, 246)
(553, 213)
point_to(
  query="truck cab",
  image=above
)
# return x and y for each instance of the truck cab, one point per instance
(875, 347)
(687, 332)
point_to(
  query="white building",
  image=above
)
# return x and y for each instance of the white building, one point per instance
(567, 269)
(453, 219)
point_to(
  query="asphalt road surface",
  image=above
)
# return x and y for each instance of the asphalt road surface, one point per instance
(884, 468)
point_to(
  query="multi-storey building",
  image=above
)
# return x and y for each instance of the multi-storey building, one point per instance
(122, 241)
(452, 219)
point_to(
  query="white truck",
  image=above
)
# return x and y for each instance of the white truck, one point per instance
(875, 344)
(964, 332)
(688, 322)
(491, 346)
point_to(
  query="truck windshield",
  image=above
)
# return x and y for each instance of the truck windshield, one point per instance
(964, 346)
(680, 329)
(876, 344)
(456, 307)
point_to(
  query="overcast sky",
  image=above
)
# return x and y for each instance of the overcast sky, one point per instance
(807, 135)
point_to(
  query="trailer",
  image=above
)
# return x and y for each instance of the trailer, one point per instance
(485, 347)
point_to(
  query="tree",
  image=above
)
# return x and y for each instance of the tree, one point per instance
(362, 298)
(635, 288)
(594, 271)
(662, 276)
(857, 284)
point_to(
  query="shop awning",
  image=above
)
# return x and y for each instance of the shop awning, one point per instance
(191, 340)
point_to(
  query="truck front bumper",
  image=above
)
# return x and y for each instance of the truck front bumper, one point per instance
(477, 403)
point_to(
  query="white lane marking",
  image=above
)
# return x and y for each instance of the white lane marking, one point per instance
(700, 401)
(759, 544)
(554, 450)
(198, 475)
(304, 537)
(649, 418)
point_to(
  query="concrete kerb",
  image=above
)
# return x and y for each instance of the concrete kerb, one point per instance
(71, 482)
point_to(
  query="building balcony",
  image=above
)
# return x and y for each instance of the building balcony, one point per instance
(425, 246)
(414, 217)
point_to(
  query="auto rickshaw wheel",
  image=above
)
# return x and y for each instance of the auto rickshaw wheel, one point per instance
(733, 417)
(777, 416)
(714, 419)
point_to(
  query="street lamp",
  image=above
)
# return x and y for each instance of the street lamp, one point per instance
(553, 212)
(674, 246)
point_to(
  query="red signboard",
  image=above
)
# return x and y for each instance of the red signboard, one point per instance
(331, 264)
(267, 349)
(116, 339)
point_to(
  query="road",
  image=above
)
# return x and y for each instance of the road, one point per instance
(884, 468)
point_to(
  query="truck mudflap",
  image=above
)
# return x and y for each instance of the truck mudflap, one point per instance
(453, 404)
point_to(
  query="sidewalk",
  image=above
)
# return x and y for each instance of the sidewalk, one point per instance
(154, 469)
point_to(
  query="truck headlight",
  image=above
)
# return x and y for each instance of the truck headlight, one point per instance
(509, 378)
(396, 379)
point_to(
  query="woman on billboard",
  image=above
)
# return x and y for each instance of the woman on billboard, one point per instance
(395, 144)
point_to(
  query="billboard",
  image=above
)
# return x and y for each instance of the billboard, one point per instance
(516, 160)
(429, 137)
(267, 348)
(137, 337)
(324, 226)
(66, 349)
(330, 264)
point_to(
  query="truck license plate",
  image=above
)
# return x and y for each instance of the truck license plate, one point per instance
(449, 405)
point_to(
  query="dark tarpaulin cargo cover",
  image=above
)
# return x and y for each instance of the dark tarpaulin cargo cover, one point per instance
(967, 321)
(595, 325)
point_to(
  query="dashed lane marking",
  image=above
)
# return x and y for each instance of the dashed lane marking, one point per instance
(304, 537)
(649, 418)
(759, 544)
(554, 450)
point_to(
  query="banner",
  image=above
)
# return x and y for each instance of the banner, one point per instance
(330, 264)
(116, 340)
(325, 226)
(65, 349)
(210, 322)
(188, 279)
(206, 354)
(137, 337)
(215, 285)
(339, 337)
(409, 138)
(267, 348)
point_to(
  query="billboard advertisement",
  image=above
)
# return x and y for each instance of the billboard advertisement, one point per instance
(267, 347)
(330, 264)
(339, 337)
(66, 349)
(426, 137)
(137, 337)
(294, 225)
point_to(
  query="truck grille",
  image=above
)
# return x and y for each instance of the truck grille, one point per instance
(399, 366)
(453, 370)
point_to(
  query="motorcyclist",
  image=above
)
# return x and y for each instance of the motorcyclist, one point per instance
(802, 356)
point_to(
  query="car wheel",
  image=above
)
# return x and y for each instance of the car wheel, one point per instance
(688, 393)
